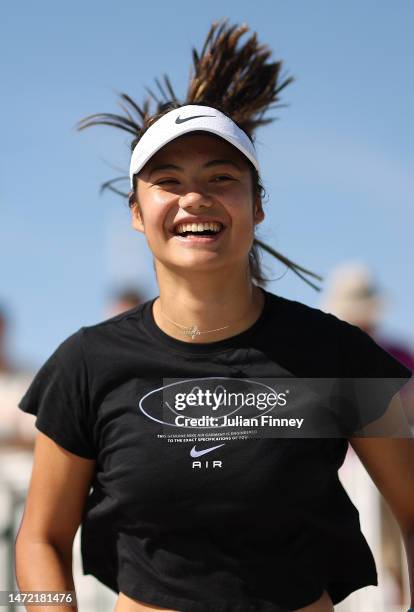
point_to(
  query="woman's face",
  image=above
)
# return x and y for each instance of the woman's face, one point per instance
(196, 177)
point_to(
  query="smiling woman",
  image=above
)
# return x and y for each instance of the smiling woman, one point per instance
(261, 522)
(188, 197)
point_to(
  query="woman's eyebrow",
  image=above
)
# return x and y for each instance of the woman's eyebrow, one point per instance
(214, 162)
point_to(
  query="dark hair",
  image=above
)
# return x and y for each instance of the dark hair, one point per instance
(237, 81)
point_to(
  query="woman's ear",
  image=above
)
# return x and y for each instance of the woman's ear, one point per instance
(137, 219)
(258, 215)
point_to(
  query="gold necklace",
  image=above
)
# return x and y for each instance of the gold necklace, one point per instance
(194, 331)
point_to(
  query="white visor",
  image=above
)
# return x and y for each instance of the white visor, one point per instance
(186, 119)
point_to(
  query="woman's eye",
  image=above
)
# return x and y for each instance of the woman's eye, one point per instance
(223, 176)
(167, 181)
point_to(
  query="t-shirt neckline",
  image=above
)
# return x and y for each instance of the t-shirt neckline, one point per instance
(203, 347)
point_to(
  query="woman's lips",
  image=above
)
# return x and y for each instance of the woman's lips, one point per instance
(194, 239)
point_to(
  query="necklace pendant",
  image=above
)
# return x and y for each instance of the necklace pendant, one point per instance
(192, 331)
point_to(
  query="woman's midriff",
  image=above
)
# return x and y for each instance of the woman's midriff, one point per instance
(126, 604)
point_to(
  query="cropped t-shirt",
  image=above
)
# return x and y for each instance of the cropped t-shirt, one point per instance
(198, 519)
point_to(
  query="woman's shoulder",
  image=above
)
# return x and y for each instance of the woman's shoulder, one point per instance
(323, 331)
(100, 337)
(118, 326)
(117, 320)
(302, 314)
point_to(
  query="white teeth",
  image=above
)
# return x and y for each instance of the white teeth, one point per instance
(198, 227)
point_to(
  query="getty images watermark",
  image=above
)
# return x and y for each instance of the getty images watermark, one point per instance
(273, 407)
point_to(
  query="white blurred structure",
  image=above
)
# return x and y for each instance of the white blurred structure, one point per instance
(353, 295)
(15, 471)
(14, 423)
(366, 498)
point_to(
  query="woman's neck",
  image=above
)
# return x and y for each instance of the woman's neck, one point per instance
(232, 308)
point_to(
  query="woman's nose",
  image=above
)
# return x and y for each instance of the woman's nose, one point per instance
(195, 199)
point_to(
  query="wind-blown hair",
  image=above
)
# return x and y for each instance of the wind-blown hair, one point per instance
(237, 80)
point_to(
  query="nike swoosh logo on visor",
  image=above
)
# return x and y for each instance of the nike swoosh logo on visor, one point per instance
(182, 120)
(196, 453)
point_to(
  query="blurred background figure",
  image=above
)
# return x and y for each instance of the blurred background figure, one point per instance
(17, 435)
(122, 300)
(15, 432)
(354, 295)
(5, 365)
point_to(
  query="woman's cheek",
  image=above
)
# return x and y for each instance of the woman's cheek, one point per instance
(156, 211)
(162, 197)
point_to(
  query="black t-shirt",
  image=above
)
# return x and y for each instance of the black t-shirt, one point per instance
(260, 524)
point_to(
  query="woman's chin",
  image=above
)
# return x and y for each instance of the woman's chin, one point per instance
(201, 263)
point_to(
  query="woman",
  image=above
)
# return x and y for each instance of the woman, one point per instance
(186, 514)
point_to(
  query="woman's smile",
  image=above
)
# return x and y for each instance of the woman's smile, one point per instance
(194, 239)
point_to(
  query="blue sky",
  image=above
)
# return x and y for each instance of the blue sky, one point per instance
(337, 164)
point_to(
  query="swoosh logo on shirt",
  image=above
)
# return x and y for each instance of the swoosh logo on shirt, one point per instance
(184, 119)
(196, 453)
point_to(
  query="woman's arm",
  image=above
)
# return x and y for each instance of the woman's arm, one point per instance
(390, 463)
(59, 485)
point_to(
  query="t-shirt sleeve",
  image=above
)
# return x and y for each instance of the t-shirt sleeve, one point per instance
(369, 378)
(59, 398)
